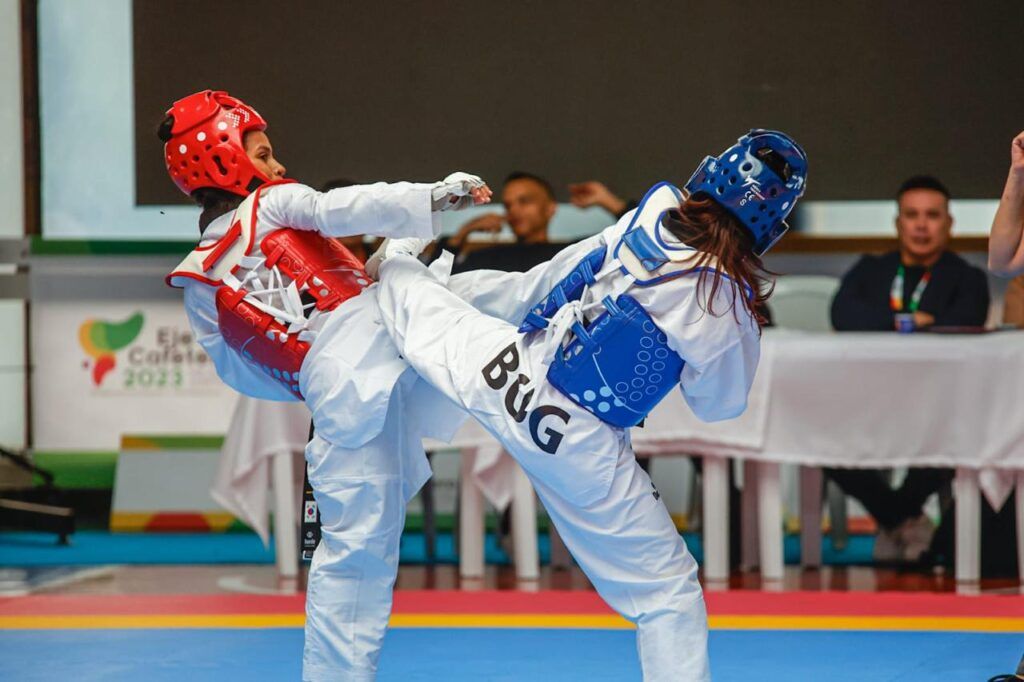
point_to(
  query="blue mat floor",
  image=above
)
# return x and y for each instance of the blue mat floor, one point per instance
(98, 547)
(503, 655)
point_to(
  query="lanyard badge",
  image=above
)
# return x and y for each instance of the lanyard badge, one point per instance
(896, 293)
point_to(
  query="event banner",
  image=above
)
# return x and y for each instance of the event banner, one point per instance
(104, 369)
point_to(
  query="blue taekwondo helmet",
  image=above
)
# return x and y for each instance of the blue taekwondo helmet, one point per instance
(758, 180)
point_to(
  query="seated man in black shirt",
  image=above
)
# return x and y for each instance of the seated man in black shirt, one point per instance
(529, 204)
(938, 288)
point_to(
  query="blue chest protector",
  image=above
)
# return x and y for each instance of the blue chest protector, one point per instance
(619, 365)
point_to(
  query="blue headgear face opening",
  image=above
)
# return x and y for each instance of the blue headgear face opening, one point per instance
(758, 180)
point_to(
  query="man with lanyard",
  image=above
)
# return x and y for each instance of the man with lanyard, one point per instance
(897, 297)
(931, 286)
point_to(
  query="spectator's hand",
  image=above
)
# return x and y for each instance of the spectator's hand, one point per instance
(1017, 155)
(458, 191)
(594, 193)
(489, 222)
(923, 320)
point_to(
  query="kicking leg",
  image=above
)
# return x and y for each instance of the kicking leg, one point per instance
(603, 503)
(496, 374)
(630, 549)
(439, 334)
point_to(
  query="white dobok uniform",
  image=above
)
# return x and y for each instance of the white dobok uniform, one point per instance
(370, 412)
(584, 470)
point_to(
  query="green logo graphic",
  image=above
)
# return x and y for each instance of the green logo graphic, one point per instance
(101, 340)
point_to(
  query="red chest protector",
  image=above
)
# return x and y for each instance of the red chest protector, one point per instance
(270, 295)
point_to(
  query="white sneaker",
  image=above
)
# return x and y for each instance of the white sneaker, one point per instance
(916, 536)
(888, 546)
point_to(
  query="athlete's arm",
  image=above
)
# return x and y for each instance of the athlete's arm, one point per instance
(717, 388)
(719, 341)
(1005, 246)
(401, 209)
(231, 368)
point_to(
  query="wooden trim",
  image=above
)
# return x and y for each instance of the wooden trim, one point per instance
(803, 243)
(31, 156)
(794, 243)
(30, 114)
(32, 175)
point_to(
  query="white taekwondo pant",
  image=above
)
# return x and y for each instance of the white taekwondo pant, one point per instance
(584, 470)
(362, 495)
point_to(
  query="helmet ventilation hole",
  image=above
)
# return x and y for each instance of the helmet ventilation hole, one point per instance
(220, 165)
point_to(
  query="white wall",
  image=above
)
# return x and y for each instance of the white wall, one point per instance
(12, 219)
(12, 204)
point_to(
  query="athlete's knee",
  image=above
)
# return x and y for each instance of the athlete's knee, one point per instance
(351, 509)
(687, 601)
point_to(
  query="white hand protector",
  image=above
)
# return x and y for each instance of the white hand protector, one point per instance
(453, 193)
(410, 246)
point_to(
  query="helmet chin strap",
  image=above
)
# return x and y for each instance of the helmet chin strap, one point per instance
(257, 182)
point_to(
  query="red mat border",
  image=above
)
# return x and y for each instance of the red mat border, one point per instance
(738, 602)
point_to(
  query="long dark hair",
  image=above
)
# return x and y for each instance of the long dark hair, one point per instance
(703, 224)
(214, 202)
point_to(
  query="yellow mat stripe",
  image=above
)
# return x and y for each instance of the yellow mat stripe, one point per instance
(526, 620)
(920, 623)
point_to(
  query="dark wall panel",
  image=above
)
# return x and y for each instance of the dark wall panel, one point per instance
(627, 92)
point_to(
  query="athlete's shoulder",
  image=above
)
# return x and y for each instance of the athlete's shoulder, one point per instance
(284, 192)
(284, 187)
(613, 232)
(277, 204)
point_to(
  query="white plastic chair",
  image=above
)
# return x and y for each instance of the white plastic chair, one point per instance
(803, 302)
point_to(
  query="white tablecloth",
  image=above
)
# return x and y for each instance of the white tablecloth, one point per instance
(259, 430)
(837, 400)
(861, 400)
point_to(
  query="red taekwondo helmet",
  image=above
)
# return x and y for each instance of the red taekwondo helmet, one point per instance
(206, 148)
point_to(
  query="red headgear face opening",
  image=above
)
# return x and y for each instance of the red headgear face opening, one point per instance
(206, 148)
